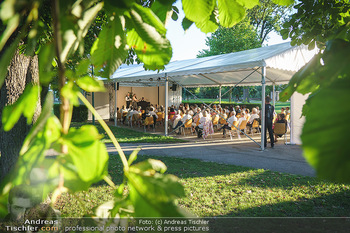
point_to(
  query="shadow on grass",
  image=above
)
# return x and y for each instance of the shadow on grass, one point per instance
(276, 225)
(191, 168)
(182, 168)
(332, 205)
(270, 179)
(313, 215)
(129, 135)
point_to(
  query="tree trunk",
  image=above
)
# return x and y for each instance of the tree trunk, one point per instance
(21, 71)
(246, 94)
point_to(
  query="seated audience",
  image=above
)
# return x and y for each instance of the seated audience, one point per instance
(229, 123)
(252, 117)
(202, 122)
(183, 120)
(280, 119)
(241, 119)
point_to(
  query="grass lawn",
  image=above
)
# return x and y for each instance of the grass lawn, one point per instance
(214, 189)
(131, 136)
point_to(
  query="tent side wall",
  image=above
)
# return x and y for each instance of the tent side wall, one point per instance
(101, 104)
(297, 122)
(105, 100)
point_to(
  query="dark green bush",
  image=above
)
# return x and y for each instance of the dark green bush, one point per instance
(80, 113)
(223, 105)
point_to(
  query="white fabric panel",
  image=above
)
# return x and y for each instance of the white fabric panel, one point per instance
(297, 122)
(292, 59)
(281, 62)
(175, 97)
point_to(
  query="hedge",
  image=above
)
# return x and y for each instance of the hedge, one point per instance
(248, 105)
(80, 113)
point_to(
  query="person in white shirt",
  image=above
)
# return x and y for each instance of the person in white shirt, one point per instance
(229, 123)
(154, 115)
(247, 114)
(202, 121)
(241, 119)
(253, 116)
(191, 111)
(130, 113)
(123, 112)
(287, 111)
(183, 120)
(176, 118)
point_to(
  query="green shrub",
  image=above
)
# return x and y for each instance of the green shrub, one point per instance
(223, 105)
(80, 113)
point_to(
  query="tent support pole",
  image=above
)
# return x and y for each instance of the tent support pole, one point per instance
(166, 105)
(291, 126)
(220, 94)
(263, 82)
(93, 105)
(115, 104)
(273, 95)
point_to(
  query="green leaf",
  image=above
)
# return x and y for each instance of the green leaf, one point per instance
(74, 31)
(3, 206)
(87, 158)
(230, 12)
(163, 11)
(152, 193)
(133, 156)
(150, 165)
(46, 56)
(284, 33)
(283, 2)
(186, 24)
(198, 11)
(147, 17)
(12, 24)
(248, 3)
(151, 47)
(209, 25)
(35, 154)
(26, 105)
(174, 16)
(124, 4)
(91, 84)
(70, 91)
(110, 50)
(83, 67)
(46, 112)
(324, 136)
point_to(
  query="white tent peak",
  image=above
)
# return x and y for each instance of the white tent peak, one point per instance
(281, 62)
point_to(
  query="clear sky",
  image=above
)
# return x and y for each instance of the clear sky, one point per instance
(186, 45)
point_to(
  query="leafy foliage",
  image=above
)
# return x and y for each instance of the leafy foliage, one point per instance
(228, 40)
(82, 158)
(251, 32)
(25, 105)
(268, 16)
(326, 77)
(316, 22)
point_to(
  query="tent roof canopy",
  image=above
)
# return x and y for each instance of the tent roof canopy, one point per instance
(281, 62)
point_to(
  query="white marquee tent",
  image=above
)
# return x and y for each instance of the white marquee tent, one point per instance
(271, 65)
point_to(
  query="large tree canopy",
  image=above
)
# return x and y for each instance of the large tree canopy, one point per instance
(240, 37)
